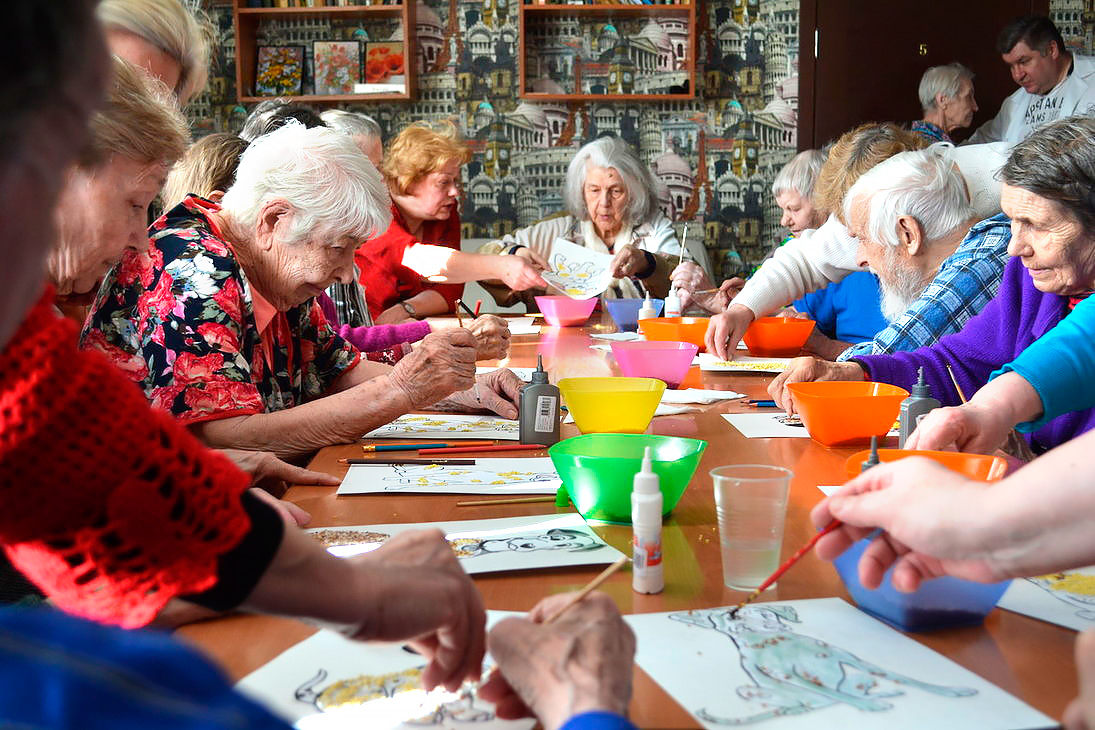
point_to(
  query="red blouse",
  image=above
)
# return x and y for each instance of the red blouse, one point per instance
(386, 280)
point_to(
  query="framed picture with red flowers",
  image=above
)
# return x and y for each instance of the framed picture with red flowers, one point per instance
(384, 62)
(280, 71)
(337, 66)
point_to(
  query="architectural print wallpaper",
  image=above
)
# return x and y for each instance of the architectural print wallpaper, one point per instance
(714, 157)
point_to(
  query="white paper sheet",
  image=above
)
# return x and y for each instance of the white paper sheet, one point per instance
(699, 395)
(579, 272)
(486, 476)
(1066, 599)
(524, 374)
(619, 336)
(523, 326)
(815, 663)
(663, 409)
(764, 425)
(324, 670)
(447, 426)
(743, 364)
(489, 546)
(829, 489)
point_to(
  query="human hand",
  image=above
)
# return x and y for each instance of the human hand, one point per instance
(413, 588)
(581, 662)
(820, 344)
(498, 391)
(441, 364)
(491, 336)
(393, 315)
(689, 277)
(1080, 713)
(521, 271)
(717, 301)
(805, 369)
(725, 330)
(291, 514)
(971, 427)
(628, 261)
(929, 517)
(274, 475)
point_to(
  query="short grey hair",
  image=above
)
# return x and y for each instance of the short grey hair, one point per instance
(1057, 162)
(799, 174)
(333, 188)
(924, 184)
(945, 80)
(354, 124)
(181, 33)
(613, 152)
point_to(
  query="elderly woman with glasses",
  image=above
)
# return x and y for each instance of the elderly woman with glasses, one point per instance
(218, 322)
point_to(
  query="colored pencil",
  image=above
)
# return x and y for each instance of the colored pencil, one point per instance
(466, 308)
(370, 448)
(478, 306)
(459, 319)
(393, 462)
(786, 566)
(515, 500)
(761, 403)
(590, 587)
(705, 291)
(1016, 443)
(498, 447)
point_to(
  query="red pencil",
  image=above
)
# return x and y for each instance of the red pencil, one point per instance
(478, 306)
(786, 566)
(499, 447)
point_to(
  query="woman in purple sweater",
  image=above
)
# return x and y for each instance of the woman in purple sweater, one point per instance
(1047, 192)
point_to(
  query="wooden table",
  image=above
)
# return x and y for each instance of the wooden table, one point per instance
(1028, 658)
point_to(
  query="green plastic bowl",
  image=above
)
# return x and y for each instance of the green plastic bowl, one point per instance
(598, 469)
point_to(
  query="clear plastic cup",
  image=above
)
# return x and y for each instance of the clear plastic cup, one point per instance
(751, 504)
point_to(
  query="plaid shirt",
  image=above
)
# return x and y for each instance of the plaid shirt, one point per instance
(966, 281)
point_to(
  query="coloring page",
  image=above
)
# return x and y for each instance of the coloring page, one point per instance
(330, 681)
(487, 546)
(486, 476)
(1066, 599)
(815, 663)
(578, 272)
(743, 364)
(447, 426)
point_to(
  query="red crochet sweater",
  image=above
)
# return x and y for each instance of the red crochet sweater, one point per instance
(110, 507)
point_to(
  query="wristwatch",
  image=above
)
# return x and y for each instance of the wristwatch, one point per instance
(410, 309)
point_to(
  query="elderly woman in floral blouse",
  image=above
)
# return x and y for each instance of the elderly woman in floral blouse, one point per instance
(217, 321)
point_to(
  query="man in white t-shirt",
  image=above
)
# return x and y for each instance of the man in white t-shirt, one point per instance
(1054, 83)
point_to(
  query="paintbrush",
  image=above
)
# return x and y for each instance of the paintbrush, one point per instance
(1016, 445)
(515, 500)
(684, 239)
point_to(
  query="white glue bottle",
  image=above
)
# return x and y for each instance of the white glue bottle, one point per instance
(646, 526)
(646, 311)
(672, 303)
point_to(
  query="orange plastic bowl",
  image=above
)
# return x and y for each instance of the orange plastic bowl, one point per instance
(675, 329)
(777, 336)
(843, 413)
(975, 466)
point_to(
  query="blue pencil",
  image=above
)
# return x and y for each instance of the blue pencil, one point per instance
(369, 448)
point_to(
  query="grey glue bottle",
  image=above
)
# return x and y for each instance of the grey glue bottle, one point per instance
(538, 409)
(913, 407)
(647, 575)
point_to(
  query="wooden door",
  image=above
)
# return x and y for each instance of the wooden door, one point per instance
(871, 55)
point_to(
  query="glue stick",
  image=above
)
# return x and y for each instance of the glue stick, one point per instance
(646, 526)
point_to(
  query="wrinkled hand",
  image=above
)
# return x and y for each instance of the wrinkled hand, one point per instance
(491, 336)
(521, 271)
(499, 392)
(581, 662)
(970, 428)
(628, 261)
(417, 590)
(716, 302)
(395, 314)
(725, 330)
(926, 512)
(1080, 714)
(441, 364)
(272, 474)
(689, 277)
(805, 369)
(290, 513)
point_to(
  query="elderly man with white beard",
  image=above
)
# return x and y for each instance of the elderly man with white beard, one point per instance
(936, 264)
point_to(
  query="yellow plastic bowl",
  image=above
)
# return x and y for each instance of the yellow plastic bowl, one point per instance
(612, 405)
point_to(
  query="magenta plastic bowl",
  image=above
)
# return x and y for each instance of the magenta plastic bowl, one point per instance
(666, 361)
(566, 312)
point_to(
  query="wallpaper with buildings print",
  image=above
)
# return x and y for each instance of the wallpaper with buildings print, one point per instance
(714, 157)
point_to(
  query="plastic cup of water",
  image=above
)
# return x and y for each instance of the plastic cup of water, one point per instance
(751, 504)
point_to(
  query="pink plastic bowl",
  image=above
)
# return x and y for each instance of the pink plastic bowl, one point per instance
(566, 312)
(666, 361)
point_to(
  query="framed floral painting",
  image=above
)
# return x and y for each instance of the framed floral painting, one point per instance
(280, 71)
(383, 60)
(337, 66)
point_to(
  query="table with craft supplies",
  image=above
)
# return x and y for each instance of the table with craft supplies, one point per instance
(1030, 659)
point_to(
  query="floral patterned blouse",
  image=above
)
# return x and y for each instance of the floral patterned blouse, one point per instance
(181, 321)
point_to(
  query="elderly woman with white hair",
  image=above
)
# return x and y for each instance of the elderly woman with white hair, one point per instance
(611, 208)
(218, 322)
(946, 96)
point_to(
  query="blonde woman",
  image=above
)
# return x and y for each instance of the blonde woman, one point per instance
(402, 277)
(164, 38)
